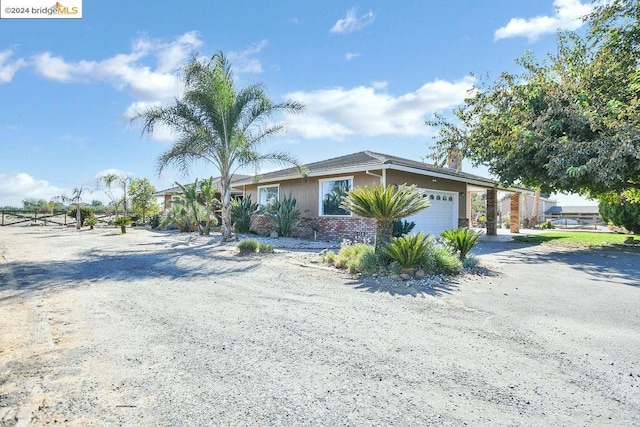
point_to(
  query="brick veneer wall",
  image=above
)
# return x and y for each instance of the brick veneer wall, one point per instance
(328, 228)
(492, 212)
(332, 228)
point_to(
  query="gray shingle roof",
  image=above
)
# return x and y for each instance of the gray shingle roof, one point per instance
(364, 160)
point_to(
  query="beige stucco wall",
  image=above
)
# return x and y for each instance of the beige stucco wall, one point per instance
(307, 193)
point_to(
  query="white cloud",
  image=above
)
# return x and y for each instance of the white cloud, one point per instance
(14, 188)
(352, 22)
(379, 85)
(568, 16)
(349, 56)
(9, 68)
(244, 62)
(128, 70)
(338, 113)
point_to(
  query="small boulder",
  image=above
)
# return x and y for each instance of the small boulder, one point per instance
(395, 277)
(629, 240)
(274, 235)
(420, 274)
(405, 276)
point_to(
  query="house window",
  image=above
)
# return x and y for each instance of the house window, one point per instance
(267, 195)
(331, 193)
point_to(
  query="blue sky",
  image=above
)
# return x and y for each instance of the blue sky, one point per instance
(369, 73)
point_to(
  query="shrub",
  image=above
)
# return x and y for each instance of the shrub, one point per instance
(445, 262)
(402, 228)
(265, 247)
(409, 251)
(622, 213)
(352, 257)
(460, 240)
(286, 216)
(91, 221)
(154, 220)
(470, 262)
(178, 216)
(84, 213)
(241, 214)
(248, 246)
(369, 262)
(330, 257)
(547, 225)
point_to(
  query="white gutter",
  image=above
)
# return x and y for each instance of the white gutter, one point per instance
(380, 177)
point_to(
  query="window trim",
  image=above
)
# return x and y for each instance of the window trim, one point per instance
(321, 195)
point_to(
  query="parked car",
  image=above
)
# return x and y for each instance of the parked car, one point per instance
(566, 223)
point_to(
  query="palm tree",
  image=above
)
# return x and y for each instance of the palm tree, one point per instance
(384, 205)
(189, 200)
(74, 199)
(216, 123)
(121, 180)
(209, 198)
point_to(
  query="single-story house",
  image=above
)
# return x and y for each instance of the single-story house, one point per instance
(318, 194)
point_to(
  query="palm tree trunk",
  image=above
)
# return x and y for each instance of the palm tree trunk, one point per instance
(536, 206)
(78, 217)
(226, 211)
(384, 233)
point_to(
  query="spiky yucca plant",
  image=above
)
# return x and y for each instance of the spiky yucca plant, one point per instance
(384, 204)
(241, 214)
(286, 215)
(460, 240)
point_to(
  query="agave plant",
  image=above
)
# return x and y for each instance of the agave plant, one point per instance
(460, 240)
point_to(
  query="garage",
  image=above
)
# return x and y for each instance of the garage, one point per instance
(441, 214)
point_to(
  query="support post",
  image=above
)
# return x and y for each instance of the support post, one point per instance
(514, 214)
(492, 212)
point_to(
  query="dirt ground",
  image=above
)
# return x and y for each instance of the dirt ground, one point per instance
(158, 328)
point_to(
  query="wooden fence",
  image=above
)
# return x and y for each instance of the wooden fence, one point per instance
(21, 217)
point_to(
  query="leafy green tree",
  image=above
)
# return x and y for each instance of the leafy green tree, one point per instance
(143, 202)
(621, 209)
(40, 205)
(570, 123)
(216, 123)
(384, 205)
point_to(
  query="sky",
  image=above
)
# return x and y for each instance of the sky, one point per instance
(369, 73)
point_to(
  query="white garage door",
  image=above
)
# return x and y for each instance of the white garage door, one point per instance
(441, 214)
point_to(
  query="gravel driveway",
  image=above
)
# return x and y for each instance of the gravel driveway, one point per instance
(156, 328)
